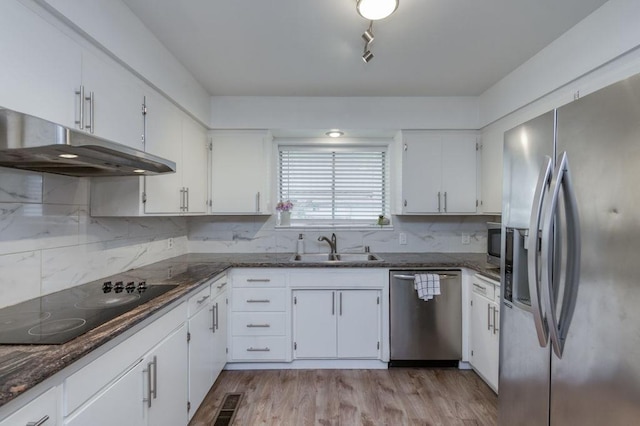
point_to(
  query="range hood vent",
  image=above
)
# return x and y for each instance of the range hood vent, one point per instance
(31, 143)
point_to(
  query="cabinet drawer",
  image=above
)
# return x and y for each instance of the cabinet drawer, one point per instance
(218, 286)
(43, 407)
(484, 287)
(199, 300)
(259, 299)
(258, 324)
(258, 278)
(259, 348)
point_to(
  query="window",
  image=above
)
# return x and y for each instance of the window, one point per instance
(334, 186)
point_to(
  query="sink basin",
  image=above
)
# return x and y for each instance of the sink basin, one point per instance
(335, 258)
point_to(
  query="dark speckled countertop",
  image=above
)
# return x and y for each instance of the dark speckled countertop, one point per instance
(24, 366)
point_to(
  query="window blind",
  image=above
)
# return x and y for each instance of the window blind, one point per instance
(346, 185)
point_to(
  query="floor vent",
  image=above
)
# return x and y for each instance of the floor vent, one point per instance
(228, 408)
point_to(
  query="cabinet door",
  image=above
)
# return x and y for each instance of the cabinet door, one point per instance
(43, 407)
(492, 144)
(169, 381)
(195, 157)
(220, 335)
(239, 173)
(201, 355)
(422, 173)
(459, 173)
(164, 138)
(118, 404)
(358, 323)
(480, 338)
(314, 324)
(41, 66)
(117, 101)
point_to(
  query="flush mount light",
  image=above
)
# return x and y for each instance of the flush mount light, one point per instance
(334, 133)
(68, 156)
(376, 9)
(139, 171)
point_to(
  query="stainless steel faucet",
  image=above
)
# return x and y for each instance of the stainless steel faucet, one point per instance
(333, 243)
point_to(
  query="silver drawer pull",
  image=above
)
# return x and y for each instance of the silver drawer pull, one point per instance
(258, 301)
(39, 422)
(222, 285)
(480, 288)
(258, 280)
(258, 325)
(203, 299)
(259, 350)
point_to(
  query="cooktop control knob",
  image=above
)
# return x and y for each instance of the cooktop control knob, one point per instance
(118, 287)
(130, 287)
(107, 286)
(142, 286)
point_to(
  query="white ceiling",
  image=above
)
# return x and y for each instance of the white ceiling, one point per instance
(313, 48)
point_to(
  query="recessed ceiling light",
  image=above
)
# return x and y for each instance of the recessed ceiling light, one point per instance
(68, 156)
(334, 133)
(139, 171)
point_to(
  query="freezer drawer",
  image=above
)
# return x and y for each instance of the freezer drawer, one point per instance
(425, 330)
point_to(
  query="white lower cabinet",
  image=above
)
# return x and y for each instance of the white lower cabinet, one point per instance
(43, 410)
(484, 329)
(336, 324)
(207, 340)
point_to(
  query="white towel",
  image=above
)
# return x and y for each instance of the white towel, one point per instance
(427, 285)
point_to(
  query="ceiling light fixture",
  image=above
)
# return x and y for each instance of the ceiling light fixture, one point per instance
(374, 10)
(68, 156)
(334, 133)
(139, 171)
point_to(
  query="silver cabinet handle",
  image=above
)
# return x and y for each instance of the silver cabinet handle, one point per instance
(258, 202)
(217, 319)
(439, 202)
(259, 349)
(80, 121)
(202, 300)
(39, 422)
(495, 329)
(149, 382)
(445, 201)
(258, 280)
(340, 303)
(155, 377)
(559, 326)
(258, 301)
(532, 252)
(333, 303)
(213, 318)
(258, 325)
(222, 285)
(480, 288)
(90, 126)
(489, 317)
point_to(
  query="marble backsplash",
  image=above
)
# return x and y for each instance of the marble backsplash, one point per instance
(258, 234)
(48, 241)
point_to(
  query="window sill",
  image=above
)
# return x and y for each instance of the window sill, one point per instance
(320, 227)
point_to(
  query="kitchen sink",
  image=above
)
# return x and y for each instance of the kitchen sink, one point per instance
(335, 258)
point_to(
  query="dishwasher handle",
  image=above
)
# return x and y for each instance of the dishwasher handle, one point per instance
(413, 277)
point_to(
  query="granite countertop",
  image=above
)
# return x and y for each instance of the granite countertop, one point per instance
(24, 366)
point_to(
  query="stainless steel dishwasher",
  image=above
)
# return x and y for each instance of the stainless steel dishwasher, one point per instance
(425, 332)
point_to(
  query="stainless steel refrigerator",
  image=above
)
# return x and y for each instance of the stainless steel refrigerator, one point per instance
(570, 318)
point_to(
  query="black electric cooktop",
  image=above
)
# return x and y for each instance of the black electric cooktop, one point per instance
(59, 317)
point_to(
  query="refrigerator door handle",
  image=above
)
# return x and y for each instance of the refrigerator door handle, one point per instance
(559, 326)
(544, 179)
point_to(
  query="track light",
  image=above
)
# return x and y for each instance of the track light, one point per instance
(367, 36)
(367, 56)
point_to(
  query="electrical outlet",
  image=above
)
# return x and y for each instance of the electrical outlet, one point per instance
(403, 239)
(170, 243)
(466, 238)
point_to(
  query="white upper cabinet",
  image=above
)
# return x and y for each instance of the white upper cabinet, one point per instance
(439, 172)
(41, 65)
(240, 172)
(113, 101)
(195, 158)
(492, 143)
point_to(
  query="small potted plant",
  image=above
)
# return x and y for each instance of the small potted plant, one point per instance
(284, 212)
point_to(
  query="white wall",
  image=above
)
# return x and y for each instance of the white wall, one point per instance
(362, 113)
(48, 241)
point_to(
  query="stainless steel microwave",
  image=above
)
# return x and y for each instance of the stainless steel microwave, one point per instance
(494, 231)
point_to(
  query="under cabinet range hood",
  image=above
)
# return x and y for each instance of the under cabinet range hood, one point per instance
(31, 143)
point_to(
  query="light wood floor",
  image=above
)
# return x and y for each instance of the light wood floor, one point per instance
(392, 397)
